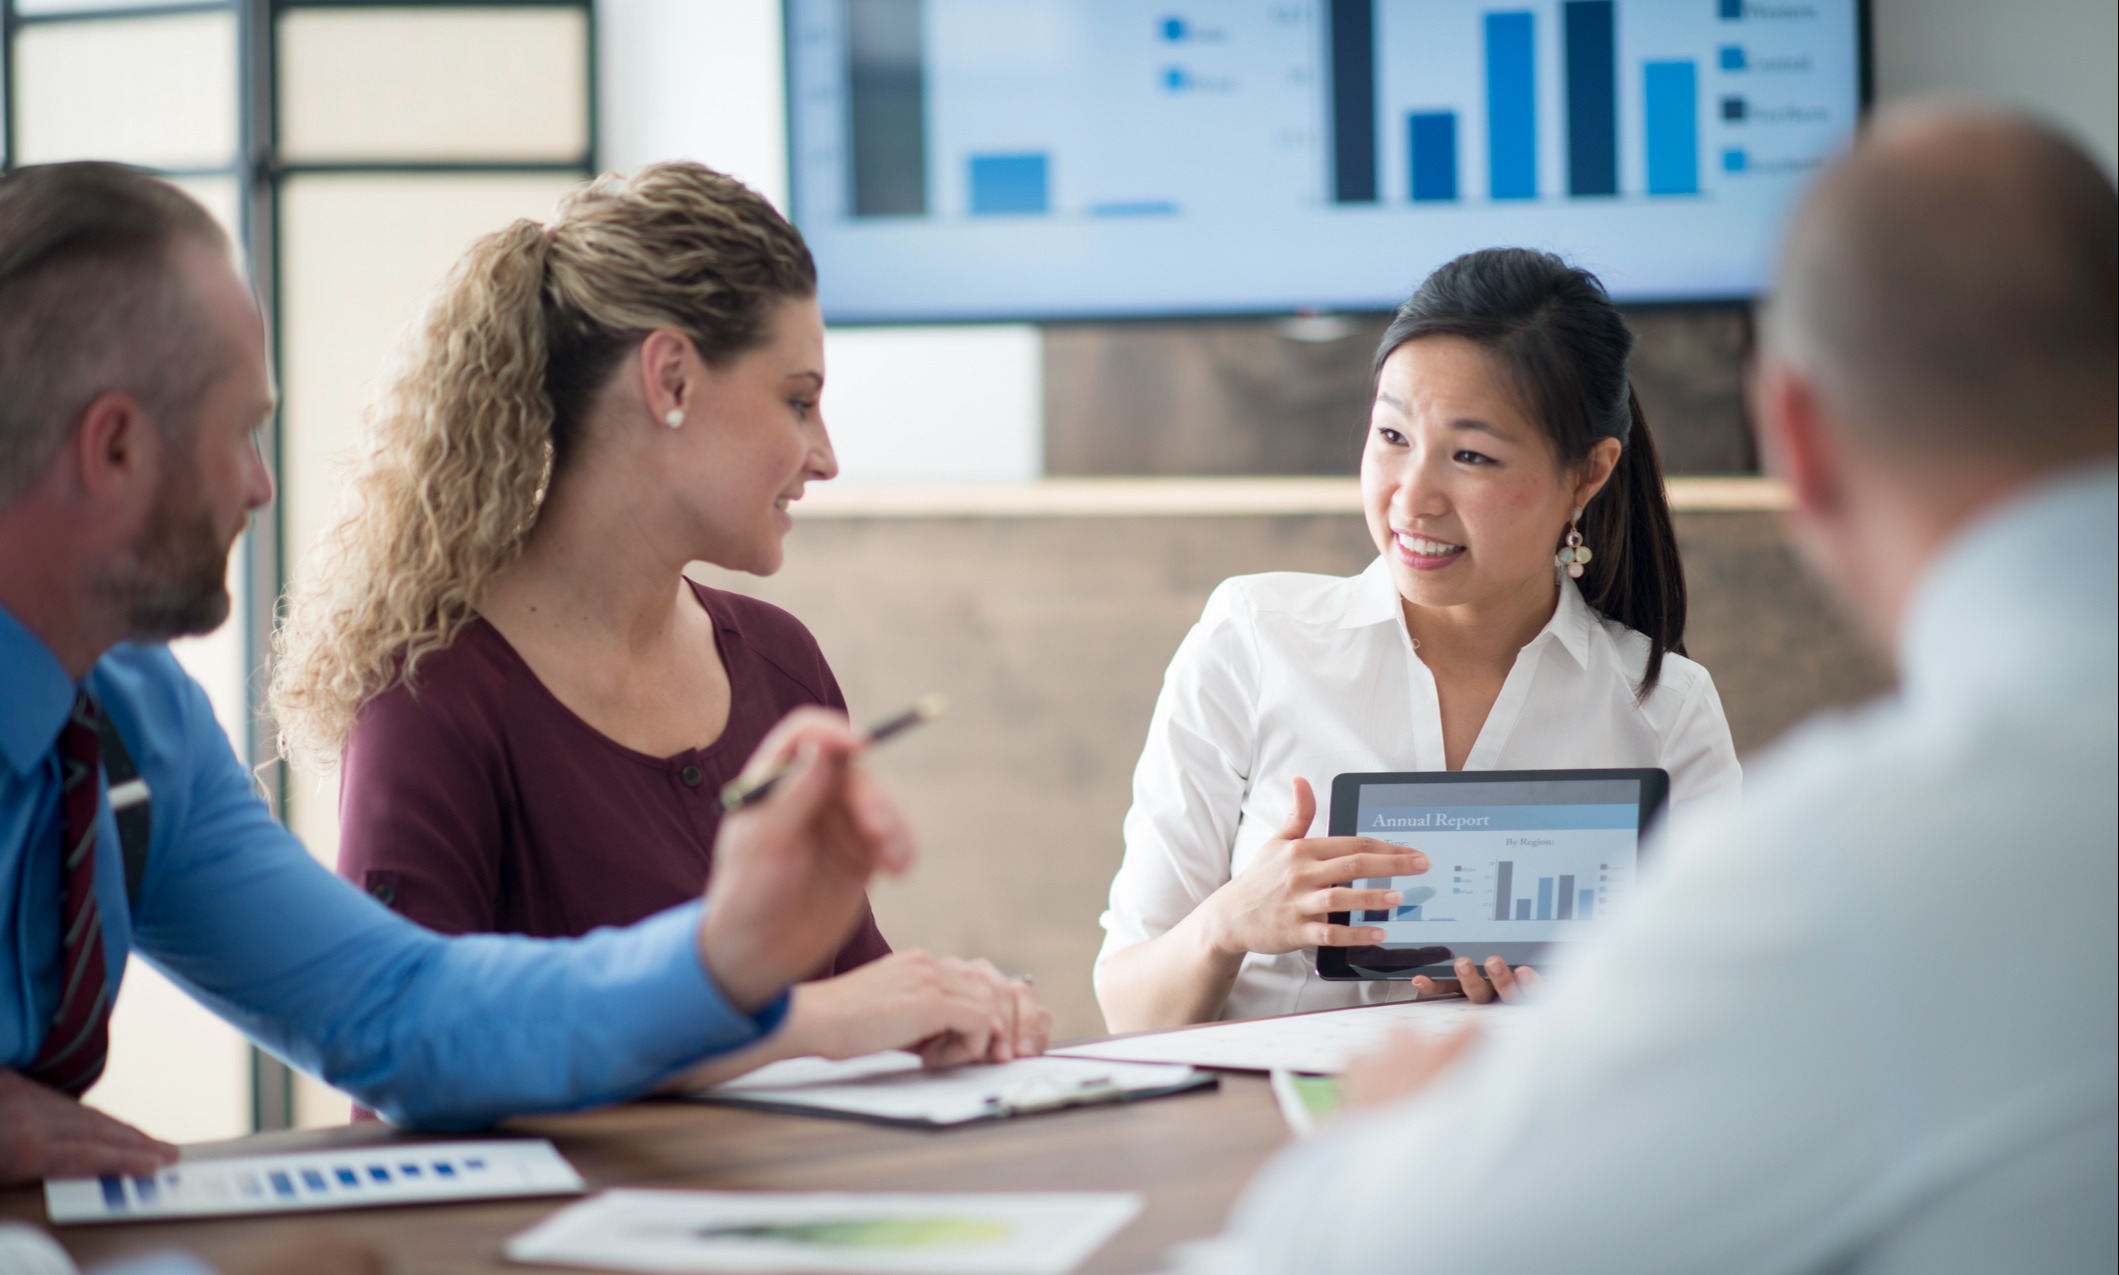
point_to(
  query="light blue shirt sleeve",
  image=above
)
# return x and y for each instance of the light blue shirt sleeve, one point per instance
(429, 1031)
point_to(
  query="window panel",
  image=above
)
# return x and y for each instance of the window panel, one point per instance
(450, 84)
(222, 197)
(359, 255)
(158, 91)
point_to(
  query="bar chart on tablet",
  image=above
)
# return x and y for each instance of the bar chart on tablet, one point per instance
(1504, 873)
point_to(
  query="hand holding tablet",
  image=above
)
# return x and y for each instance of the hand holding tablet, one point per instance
(1522, 859)
(1287, 897)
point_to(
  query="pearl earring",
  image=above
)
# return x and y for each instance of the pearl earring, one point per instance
(1576, 555)
(674, 418)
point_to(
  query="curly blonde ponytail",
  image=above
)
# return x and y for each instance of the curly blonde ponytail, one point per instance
(460, 448)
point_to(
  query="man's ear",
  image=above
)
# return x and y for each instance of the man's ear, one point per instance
(115, 449)
(1795, 442)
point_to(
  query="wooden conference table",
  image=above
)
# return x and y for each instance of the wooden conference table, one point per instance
(1188, 1155)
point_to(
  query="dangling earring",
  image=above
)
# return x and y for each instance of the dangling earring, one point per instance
(1576, 555)
(675, 417)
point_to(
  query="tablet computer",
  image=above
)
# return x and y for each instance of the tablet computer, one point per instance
(1518, 860)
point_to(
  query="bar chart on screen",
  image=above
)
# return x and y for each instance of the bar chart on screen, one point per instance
(1131, 137)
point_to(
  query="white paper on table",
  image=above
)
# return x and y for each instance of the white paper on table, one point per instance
(840, 1233)
(349, 1178)
(893, 1086)
(1320, 1043)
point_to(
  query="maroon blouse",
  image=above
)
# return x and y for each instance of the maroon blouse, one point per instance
(482, 804)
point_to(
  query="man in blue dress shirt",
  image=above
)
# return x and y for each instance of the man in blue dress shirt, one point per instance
(133, 361)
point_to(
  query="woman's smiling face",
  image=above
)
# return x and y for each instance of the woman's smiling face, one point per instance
(1463, 492)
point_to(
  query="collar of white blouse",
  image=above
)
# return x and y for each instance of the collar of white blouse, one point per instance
(1374, 600)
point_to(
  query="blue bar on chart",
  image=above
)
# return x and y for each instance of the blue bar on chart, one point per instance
(1511, 107)
(1411, 913)
(1432, 138)
(1592, 99)
(1522, 909)
(1545, 898)
(1673, 109)
(1585, 905)
(887, 108)
(1002, 184)
(1504, 887)
(1351, 44)
(1567, 899)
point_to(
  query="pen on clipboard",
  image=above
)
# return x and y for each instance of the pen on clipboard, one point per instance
(1093, 1090)
(750, 788)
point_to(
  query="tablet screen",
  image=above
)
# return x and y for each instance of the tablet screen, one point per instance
(1518, 860)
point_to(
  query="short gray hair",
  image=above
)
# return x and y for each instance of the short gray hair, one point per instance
(91, 301)
(1954, 281)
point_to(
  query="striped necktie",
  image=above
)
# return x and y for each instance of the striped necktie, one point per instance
(73, 1053)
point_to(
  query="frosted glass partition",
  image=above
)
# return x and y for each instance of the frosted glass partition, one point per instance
(222, 197)
(467, 85)
(159, 91)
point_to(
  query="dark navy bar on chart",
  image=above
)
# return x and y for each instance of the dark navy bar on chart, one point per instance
(1352, 42)
(1592, 99)
(886, 109)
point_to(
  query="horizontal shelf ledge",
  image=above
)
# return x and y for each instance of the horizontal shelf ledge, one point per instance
(1191, 497)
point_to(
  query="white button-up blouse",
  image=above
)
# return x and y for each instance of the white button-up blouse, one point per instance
(1291, 674)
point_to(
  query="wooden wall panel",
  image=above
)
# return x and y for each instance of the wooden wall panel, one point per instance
(1243, 397)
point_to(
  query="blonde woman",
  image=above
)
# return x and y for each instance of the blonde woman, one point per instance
(534, 707)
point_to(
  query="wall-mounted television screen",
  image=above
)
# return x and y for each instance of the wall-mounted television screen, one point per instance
(962, 160)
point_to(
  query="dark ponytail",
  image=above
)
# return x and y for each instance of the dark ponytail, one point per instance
(1564, 345)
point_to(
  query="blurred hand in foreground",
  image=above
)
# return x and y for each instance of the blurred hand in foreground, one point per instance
(1401, 1067)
